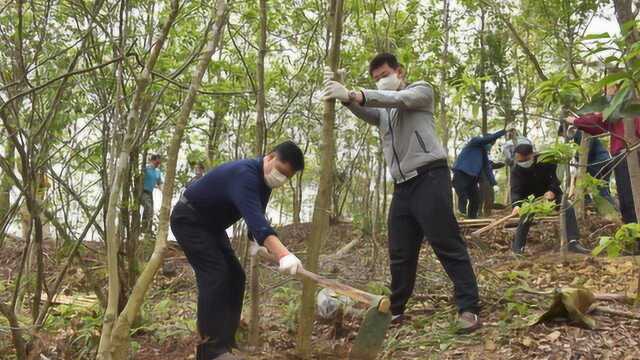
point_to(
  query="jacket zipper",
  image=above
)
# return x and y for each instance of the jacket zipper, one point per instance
(393, 146)
(420, 141)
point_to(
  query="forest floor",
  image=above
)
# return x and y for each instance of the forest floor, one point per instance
(167, 326)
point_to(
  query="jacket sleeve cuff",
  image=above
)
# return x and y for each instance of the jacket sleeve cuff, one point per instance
(262, 234)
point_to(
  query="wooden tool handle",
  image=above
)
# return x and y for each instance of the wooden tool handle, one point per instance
(492, 225)
(381, 302)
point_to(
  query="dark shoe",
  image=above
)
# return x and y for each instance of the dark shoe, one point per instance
(467, 323)
(575, 247)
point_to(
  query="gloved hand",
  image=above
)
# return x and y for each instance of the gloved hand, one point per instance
(328, 75)
(255, 249)
(289, 264)
(335, 90)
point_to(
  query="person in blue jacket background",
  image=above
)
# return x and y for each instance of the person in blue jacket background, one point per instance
(231, 191)
(473, 163)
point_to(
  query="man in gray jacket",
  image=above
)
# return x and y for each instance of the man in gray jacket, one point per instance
(421, 205)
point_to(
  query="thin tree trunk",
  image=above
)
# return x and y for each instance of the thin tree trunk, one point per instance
(444, 124)
(486, 190)
(120, 334)
(254, 272)
(322, 207)
(119, 170)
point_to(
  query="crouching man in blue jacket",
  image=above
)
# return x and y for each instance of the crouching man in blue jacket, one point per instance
(473, 163)
(237, 189)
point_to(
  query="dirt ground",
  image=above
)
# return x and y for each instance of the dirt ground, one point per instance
(512, 291)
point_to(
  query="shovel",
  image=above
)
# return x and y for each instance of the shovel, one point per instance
(370, 338)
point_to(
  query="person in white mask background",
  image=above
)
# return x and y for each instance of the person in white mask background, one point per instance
(531, 177)
(231, 191)
(422, 205)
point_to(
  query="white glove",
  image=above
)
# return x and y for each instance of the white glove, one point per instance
(329, 75)
(290, 264)
(255, 249)
(335, 90)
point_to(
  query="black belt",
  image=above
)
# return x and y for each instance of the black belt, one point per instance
(437, 164)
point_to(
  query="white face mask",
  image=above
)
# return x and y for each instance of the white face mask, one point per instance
(525, 164)
(275, 179)
(389, 82)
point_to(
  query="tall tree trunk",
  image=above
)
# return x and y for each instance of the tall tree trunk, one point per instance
(322, 208)
(254, 273)
(120, 336)
(486, 189)
(260, 103)
(444, 125)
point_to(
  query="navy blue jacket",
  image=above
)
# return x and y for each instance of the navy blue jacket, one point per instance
(598, 154)
(232, 191)
(473, 158)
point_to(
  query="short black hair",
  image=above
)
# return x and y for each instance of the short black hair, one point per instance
(290, 153)
(524, 149)
(155, 157)
(381, 59)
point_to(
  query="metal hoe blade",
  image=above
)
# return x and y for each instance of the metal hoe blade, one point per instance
(370, 338)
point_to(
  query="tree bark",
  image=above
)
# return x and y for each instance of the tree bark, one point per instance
(486, 189)
(444, 125)
(322, 208)
(254, 272)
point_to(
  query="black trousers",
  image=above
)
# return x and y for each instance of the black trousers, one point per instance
(625, 193)
(466, 187)
(572, 231)
(422, 207)
(219, 276)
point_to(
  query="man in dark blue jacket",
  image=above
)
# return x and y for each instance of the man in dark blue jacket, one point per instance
(237, 189)
(473, 163)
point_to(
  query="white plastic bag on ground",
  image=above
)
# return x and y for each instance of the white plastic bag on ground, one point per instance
(328, 303)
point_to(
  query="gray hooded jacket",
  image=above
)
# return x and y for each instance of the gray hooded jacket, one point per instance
(407, 128)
